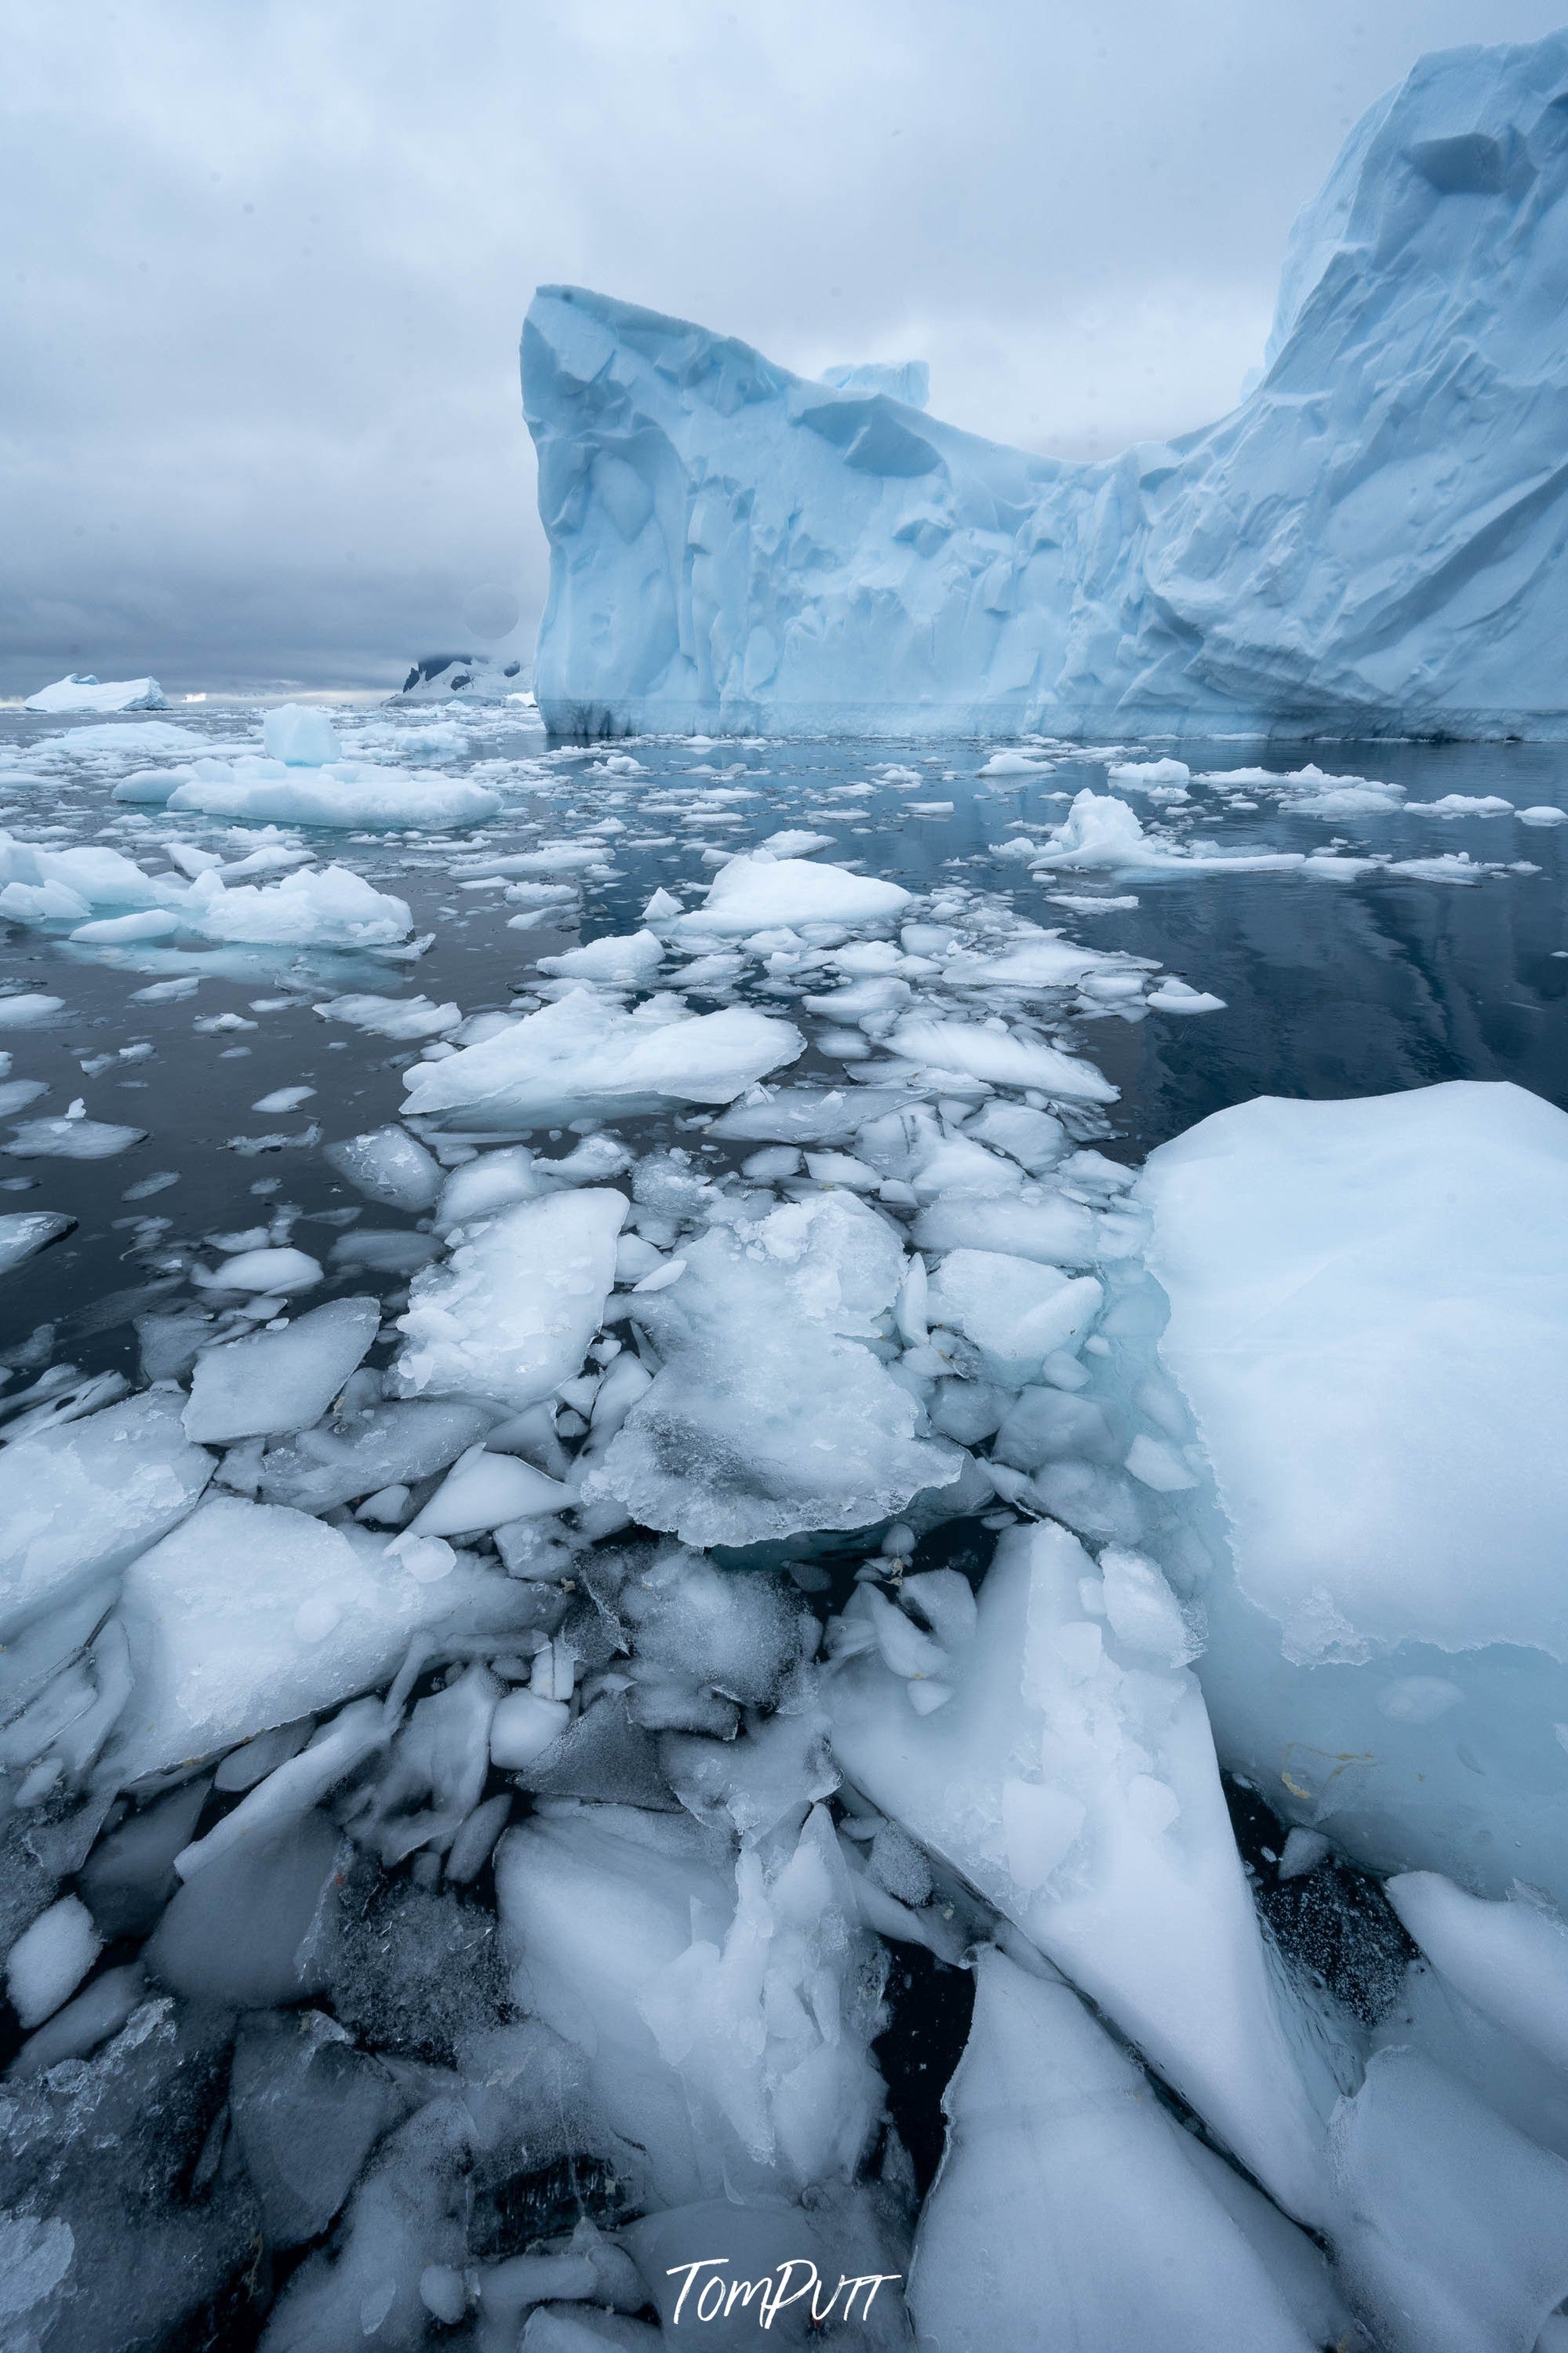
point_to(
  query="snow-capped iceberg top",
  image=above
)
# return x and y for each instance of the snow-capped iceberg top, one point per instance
(85, 693)
(1367, 541)
(905, 380)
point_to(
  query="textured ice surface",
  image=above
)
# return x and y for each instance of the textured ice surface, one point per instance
(25, 1232)
(509, 1319)
(1452, 2229)
(1367, 538)
(1068, 2210)
(253, 1614)
(1368, 1310)
(83, 1499)
(1508, 1960)
(1067, 1770)
(274, 1382)
(769, 1414)
(584, 1057)
(725, 2003)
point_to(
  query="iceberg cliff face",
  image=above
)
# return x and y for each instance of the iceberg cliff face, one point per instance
(1367, 544)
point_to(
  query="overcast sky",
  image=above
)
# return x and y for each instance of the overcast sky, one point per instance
(267, 262)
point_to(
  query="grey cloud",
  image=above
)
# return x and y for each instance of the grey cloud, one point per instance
(259, 417)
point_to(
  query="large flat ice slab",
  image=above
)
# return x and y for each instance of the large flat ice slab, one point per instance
(1369, 536)
(1369, 1320)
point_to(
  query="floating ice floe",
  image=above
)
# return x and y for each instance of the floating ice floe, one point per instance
(391, 1017)
(1367, 1302)
(252, 1614)
(759, 893)
(28, 1010)
(352, 794)
(582, 1057)
(73, 1138)
(326, 906)
(1058, 2153)
(627, 962)
(145, 735)
(25, 1232)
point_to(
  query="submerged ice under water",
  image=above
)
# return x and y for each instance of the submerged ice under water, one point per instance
(598, 1541)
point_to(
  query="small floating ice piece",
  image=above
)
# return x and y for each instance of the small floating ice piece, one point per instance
(523, 1726)
(1141, 776)
(1015, 1312)
(252, 1614)
(273, 1382)
(329, 907)
(70, 1138)
(1462, 805)
(630, 961)
(584, 1057)
(263, 1272)
(1000, 1058)
(26, 1232)
(484, 1491)
(388, 1166)
(794, 841)
(121, 931)
(392, 1017)
(49, 1960)
(1175, 995)
(1015, 763)
(1100, 830)
(757, 892)
(1457, 866)
(27, 1011)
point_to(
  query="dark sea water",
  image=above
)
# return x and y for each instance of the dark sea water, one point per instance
(1330, 988)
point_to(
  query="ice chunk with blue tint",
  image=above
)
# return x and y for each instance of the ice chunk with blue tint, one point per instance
(1369, 1321)
(274, 1382)
(83, 1499)
(1067, 1770)
(1068, 2210)
(253, 1615)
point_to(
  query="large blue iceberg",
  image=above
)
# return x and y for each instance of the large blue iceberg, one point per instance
(1372, 542)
